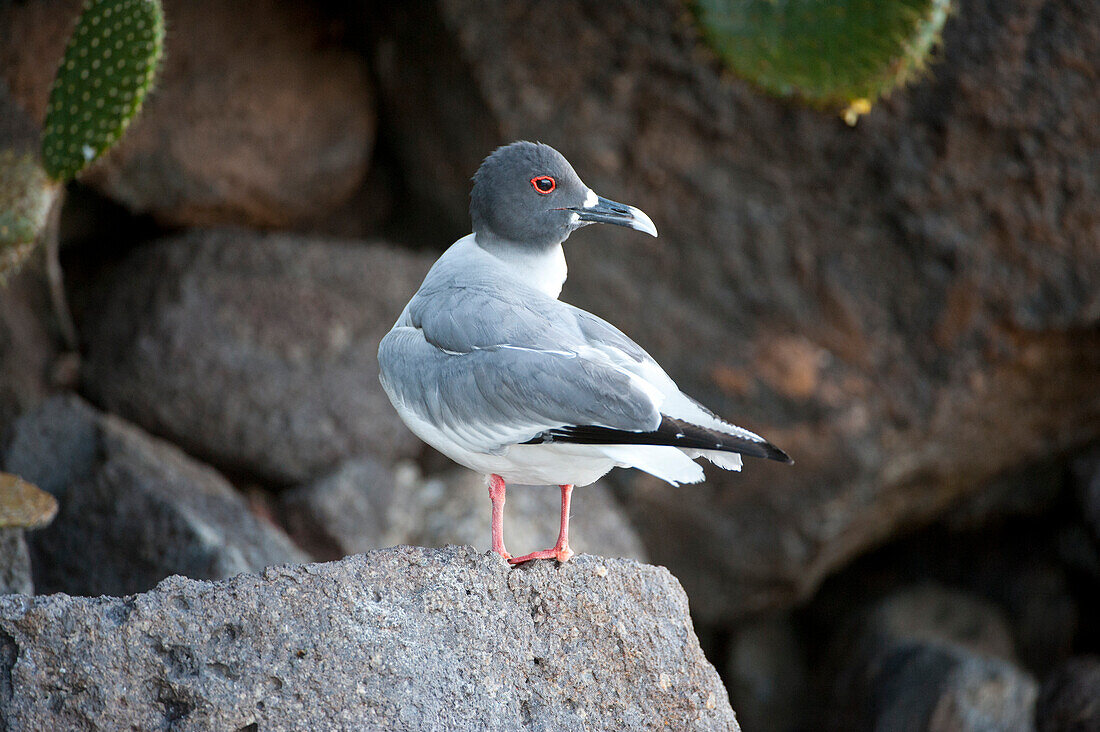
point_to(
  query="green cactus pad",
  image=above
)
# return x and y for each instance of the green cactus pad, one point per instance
(830, 53)
(108, 68)
(26, 194)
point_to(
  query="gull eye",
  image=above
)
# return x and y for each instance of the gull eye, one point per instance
(544, 184)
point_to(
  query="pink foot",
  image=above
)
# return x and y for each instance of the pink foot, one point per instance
(562, 554)
(561, 550)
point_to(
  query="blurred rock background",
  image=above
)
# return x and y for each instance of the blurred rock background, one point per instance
(910, 307)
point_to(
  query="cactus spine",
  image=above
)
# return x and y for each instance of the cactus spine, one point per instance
(108, 68)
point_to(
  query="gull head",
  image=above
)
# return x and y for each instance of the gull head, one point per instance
(526, 194)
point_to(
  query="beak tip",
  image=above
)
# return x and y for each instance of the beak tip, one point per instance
(642, 223)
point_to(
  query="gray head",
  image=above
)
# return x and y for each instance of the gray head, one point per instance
(527, 194)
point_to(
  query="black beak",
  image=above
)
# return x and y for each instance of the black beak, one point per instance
(603, 211)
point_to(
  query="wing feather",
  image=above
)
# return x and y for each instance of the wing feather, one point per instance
(493, 367)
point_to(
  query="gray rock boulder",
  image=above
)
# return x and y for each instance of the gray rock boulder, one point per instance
(401, 639)
(256, 352)
(364, 505)
(133, 509)
(917, 686)
(908, 307)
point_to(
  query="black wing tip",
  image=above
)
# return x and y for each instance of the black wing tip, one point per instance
(672, 432)
(774, 453)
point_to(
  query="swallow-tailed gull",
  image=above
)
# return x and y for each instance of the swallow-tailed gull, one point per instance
(487, 366)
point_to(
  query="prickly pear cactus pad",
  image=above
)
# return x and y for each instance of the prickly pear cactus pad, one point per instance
(108, 68)
(26, 194)
(840, 54)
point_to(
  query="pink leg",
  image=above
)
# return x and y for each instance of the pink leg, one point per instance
(561, 550)
(496, 495)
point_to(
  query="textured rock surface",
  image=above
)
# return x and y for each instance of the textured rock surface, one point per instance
(133, 509)
(257, 117)
(257, 353)
(1070, 699)
(908, 307)
(400, 639)
(363, 505)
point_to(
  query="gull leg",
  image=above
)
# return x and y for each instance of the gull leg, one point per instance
(496, 495)
(561, 550)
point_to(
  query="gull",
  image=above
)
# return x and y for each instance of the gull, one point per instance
(490, 368)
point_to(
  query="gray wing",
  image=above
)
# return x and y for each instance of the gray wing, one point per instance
(492, 368)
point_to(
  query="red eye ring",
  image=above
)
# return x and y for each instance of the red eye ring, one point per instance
(539, 182)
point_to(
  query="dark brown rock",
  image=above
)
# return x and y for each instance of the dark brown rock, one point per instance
(401, 639)
(433, 115)
(1086, 478)
(1070, 698)
(258, 116)
(35, 33)
(927, 658)
(28, 346)
(27, 342)
(768, 677)
(908, 307)
(133, 510)
(255, 352)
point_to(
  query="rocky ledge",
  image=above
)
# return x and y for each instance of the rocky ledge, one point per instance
(396, 639)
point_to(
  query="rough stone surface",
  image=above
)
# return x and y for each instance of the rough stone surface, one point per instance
(402, 639)
(930, 658)
(133, 508)
(867, 297)
(258, 116)
(364, 505)
(15, 564)
(1070, 698)
(255, 352)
